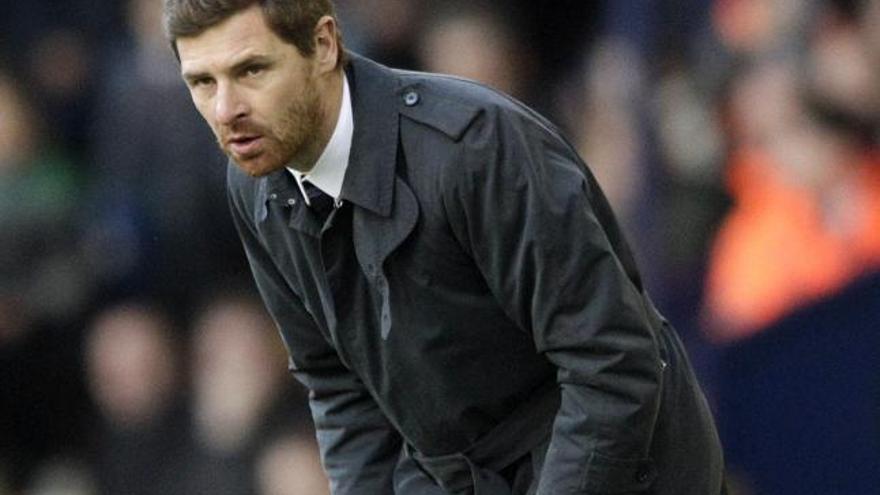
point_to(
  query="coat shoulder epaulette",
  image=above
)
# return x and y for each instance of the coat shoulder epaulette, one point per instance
(445, 103)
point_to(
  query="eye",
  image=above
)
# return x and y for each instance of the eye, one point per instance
(201, 82)
(254, 70)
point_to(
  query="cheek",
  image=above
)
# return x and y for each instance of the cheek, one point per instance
(275, 106)
(265, 109)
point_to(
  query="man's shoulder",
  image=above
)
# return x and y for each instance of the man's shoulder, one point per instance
(240, 186)
(236, 179)
(451, 104)
(445, 103)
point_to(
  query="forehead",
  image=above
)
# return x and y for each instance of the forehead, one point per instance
(241, 35)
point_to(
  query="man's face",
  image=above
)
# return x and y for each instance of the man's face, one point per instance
(260, 96)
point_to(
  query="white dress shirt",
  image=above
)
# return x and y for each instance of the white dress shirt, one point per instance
(329, 171)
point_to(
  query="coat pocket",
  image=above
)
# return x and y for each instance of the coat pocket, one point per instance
(609, 475)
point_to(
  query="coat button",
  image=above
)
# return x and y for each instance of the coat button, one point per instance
(291, 201)
(411, 98)
(643, 475)
(273, 196)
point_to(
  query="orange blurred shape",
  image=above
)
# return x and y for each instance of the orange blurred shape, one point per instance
(742, 24)
(778, 251)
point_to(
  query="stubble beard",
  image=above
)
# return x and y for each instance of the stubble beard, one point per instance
(291, 141)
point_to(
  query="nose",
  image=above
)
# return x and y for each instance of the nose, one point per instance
(228, 105)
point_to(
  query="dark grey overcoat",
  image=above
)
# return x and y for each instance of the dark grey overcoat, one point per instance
(471, 320)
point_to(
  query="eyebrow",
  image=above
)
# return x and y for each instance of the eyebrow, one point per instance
(237, 67)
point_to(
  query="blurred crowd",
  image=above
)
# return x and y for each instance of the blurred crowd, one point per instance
(736, 139)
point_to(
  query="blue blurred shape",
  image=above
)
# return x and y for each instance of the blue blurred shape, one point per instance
(799, 405)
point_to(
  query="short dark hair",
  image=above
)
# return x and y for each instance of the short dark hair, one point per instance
(293, 21)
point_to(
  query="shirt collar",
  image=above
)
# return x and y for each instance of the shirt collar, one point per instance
(329, 171)
(376, 97)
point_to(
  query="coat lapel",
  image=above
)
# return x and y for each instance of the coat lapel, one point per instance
(388, 210)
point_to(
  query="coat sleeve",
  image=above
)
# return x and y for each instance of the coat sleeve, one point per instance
(525, 207)
(359, 448)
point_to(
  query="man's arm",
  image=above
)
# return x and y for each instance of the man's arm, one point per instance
(524, 206)
(359, 449)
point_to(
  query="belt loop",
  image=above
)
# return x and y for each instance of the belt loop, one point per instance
(459, 475)
(453, 472)
(479, 466)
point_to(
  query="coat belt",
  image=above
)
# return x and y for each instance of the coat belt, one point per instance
(477, 467)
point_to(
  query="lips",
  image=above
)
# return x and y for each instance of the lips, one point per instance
(245, 146)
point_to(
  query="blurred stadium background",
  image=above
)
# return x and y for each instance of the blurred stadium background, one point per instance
(737, 140)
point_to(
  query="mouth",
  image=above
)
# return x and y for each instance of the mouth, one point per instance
(245, 147)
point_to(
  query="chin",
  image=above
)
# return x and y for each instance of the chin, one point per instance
(258, 166)
(265, 171)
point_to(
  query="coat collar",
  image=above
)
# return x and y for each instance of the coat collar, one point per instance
(387, 210)
(369, 180)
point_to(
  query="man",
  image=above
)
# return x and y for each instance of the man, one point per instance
(447, 277)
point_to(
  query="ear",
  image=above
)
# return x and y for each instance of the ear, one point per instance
(326, 44)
